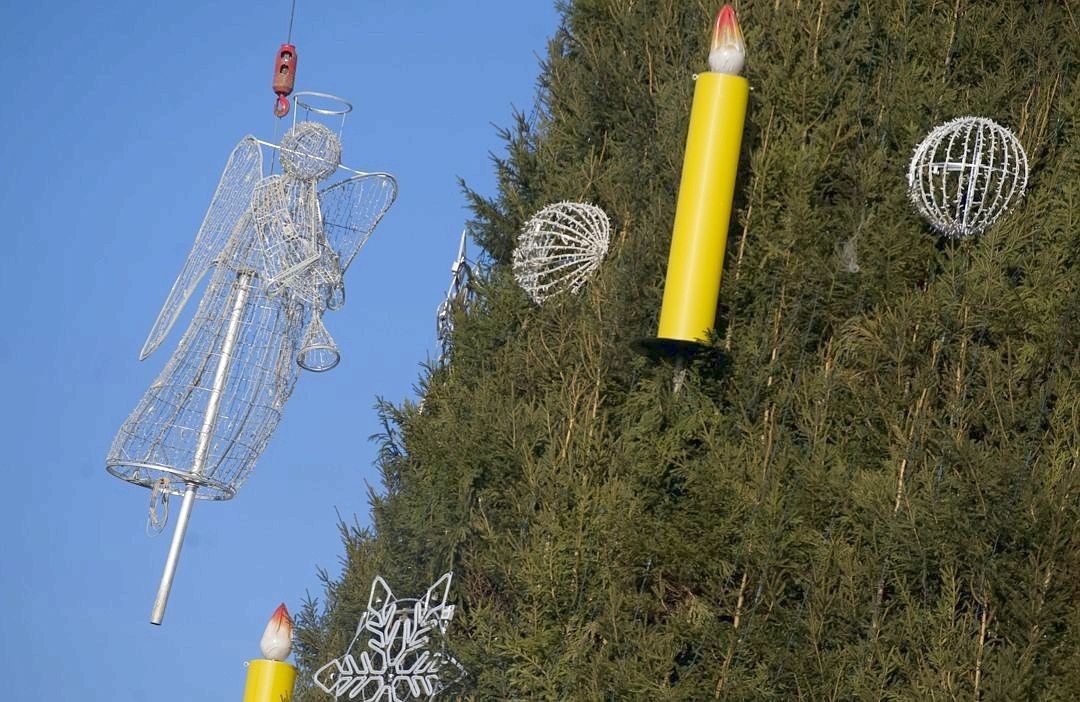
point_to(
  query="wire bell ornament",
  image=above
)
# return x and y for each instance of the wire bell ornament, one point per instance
(560, 249)
(319, 351)
(965, 174)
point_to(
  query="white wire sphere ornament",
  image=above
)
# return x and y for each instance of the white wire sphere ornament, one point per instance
(310, 151)
(560, 249)
(965, 174)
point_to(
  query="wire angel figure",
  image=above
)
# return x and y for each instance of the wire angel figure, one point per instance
(276, 249)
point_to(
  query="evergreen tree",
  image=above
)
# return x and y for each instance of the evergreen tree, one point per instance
(868, 490)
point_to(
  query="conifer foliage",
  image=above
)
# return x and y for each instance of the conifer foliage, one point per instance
(869, 490)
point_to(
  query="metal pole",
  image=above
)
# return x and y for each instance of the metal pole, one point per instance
(203, 447)
(679, 376)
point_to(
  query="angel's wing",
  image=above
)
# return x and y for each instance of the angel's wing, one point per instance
(231, 200)
(352, 208)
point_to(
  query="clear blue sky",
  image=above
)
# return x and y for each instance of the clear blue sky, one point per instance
(119, 120)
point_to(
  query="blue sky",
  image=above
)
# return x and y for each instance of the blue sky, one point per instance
(120, 117)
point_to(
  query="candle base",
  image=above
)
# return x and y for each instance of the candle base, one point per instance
(660, 348)
(269, 681)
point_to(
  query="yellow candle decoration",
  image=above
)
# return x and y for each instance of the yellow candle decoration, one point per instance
(706, 191)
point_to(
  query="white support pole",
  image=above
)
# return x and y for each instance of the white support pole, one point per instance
(203, 447)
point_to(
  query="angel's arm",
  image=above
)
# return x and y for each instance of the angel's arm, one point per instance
(231, 201)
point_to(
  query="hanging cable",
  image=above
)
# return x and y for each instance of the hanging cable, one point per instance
(292, 14)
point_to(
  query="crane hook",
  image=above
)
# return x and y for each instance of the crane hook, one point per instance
(281, 106)
(284, 78)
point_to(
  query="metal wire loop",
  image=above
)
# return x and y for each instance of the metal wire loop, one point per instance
(158, 513)
(344, 110)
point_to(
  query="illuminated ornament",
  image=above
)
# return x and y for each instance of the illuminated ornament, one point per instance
(270, 679)
(460, 292)
(276, 249)
(560, 248)
(276, 642)
(965, 174)
(706, 192)
(393, 660)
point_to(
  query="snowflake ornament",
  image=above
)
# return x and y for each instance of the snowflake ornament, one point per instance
(965, 174)
(396, 661)
(560, 249)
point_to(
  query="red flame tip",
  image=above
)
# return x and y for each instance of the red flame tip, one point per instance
(276, 640)
(728, 51)
(726, 16)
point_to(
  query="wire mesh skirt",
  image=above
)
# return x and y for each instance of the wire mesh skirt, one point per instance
(168, 431)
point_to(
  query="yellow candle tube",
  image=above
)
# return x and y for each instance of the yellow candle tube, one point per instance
(706, 191)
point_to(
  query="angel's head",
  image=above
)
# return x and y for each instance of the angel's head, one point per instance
(310, 151)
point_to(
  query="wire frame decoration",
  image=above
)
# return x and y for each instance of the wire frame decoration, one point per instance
(560, 249)
(965, 174)
(276, 249)
(391, 658)
(460, 292)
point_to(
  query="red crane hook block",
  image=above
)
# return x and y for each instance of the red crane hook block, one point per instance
(284, 78)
